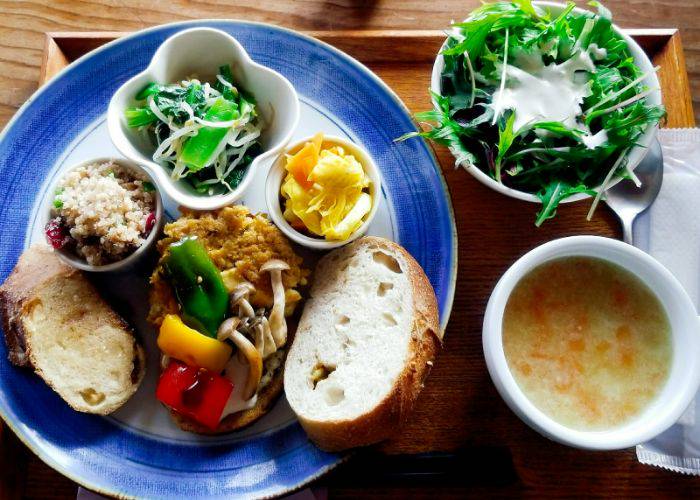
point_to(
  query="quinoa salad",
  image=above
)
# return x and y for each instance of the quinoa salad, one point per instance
(101, 212)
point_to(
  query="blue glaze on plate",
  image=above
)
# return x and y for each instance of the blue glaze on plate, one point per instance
(98, 452)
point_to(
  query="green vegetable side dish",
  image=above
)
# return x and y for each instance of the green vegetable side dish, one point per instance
(205, 133)
(545, 104)
(198, 285)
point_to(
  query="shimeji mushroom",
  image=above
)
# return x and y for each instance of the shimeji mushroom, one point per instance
(267, 335)
(227, 330)
(264, 342)
(278, 324)
(239, 298)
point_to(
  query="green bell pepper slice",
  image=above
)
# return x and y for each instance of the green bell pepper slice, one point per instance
(198, 151)
(198, 285)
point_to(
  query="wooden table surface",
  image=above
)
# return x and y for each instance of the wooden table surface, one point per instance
(543, 468)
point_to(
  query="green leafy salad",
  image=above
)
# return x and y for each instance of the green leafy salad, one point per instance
(546, 104)
(207, 134)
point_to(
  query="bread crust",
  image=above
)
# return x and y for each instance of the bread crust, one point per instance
(388, 416)
(35, 268)
(15, 335)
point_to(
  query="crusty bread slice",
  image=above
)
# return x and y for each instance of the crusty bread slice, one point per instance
(34, 266)
(364, 346)
(56, 322)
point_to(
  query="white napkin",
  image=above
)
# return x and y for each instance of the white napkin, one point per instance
(670, 232)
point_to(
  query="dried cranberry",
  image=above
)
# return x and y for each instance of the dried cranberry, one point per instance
(56, 233)
(150, 222)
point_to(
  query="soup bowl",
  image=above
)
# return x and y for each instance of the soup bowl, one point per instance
(674, 396)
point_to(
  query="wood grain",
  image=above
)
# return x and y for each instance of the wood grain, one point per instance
(23, 24)
(493, 231)
(674, 83)
(415, 48)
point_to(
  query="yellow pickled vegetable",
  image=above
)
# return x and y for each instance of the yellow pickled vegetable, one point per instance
(301, 164)
(179, 341)
(325, 191)
(352, 220)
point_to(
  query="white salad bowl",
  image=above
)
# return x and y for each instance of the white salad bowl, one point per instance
(200, 51)
(684, 375)
(635, 156)
(276, 176)
(131, 260)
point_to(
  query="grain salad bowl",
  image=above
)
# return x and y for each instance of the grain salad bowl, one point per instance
(634, 156)
(132, 259)
(199, 51)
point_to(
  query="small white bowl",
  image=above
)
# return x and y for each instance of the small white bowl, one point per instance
(635, 156)
(277, 174)
(127, 263)
(201, 51)
(684, 376)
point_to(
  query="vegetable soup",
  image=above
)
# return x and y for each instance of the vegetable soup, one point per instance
(587, 342)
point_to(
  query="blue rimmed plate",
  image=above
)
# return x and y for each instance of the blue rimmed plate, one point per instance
(138, 451)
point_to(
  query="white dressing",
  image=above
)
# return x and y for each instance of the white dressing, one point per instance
(537, 93)
(597, 53)
(595, 140)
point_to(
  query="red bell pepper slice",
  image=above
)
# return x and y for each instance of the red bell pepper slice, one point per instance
(194, 392)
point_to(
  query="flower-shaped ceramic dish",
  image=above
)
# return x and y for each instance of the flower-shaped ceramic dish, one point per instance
(200, 51)
(132, 259)
(277, 174)
(634, 156)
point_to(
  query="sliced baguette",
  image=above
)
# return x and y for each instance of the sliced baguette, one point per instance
(56, 323)
(364, 346)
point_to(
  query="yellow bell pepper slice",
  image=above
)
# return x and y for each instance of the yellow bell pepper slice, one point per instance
(179, 341)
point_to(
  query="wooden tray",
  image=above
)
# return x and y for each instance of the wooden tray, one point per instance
(403, 59)
(459, 408)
